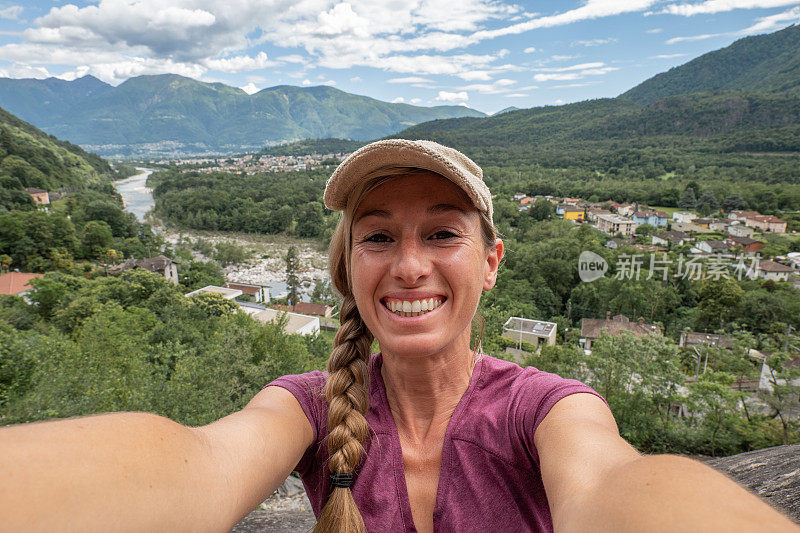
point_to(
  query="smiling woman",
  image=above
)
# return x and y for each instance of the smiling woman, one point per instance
(427, 435)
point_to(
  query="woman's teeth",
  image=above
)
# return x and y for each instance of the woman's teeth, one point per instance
(413, 307)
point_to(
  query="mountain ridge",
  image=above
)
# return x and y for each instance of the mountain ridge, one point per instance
(177, 111)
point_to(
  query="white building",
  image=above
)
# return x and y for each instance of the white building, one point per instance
(684, 217)
(533, 332)
(295, 322)
(228, 294)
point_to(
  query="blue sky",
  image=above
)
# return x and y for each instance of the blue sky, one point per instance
(487, 54)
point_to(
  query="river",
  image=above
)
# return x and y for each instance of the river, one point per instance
(139, 201)
(137, 197)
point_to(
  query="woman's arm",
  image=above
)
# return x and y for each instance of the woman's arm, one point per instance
(595, 481)
(142, 472)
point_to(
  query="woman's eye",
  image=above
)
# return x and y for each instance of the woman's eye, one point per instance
(378, 237)
(444, 234)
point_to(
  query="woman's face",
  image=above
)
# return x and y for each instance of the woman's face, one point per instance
(419, 264)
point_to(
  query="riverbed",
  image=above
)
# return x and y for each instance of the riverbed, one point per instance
(266, 265)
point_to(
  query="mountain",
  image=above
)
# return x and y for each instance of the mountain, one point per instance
(765, 63)
(506, 110)
(31, 158)
(172, 112)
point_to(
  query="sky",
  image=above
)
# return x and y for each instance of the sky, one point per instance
(485, 54)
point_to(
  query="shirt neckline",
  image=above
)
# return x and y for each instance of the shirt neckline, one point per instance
(396, 452)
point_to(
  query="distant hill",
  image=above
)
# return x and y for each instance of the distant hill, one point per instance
(618, 132)
(506, 110)
(768, 63)
(170, 112)
(31, 158)
(314, 146)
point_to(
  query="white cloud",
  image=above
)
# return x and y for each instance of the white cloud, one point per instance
(250, 88)
(415, 100)
(773, 22)
(558, 57)
(329, 83)
(445, 96)
(410, 79)
(516, 95)
(591, 9)
(691, 38)
(24, 71)
(305, 82)
(559, 101)
(240, 63)
(654, 30)
(667, 56)
(293, 58)
(11, 13)
(717, 6)
(529, 50)
(595, 42)
(356, 79)
(398, 100)
(498, 87)
(572, 72)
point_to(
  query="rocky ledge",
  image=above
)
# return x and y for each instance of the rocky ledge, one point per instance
(772, 473)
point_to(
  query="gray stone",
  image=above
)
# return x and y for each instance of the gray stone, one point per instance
(772, 473)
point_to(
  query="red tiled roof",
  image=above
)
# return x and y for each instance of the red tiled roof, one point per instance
(16, 282)
(771, 266)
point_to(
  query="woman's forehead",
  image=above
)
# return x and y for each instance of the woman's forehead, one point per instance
(422, 188)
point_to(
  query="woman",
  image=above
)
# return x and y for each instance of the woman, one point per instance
(427, 435)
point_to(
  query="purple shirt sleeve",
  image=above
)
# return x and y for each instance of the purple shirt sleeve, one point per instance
(309, 390)
(536, 393)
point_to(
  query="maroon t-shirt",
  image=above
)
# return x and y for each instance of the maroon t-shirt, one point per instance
(490, 478)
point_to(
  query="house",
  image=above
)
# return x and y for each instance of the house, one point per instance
(743, 215)
(654, 218)
(626, 210)
(689, 227)
(227, 293)
(772, 270)
(17, 283)
(683, 216)
(314, 309)
(259, 293)
(674, 238)
(519, 196)
(614, 224)
(526, 200)
(709, 247)
(767, 223)
(745, 244)
(40, 196)
(571, 201)
(535, 332)
(703, 222)
(159, 264)
(618, 243)
(592, 212)
(295, 323)
(765, 382)
(649, 247)
(573, 213)
(693, 338)
(740, 230)
(593, 328)
(720, 225)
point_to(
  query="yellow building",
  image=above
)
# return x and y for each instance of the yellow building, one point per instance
(573, 213)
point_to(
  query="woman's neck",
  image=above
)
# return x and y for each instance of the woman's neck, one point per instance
(423, 392)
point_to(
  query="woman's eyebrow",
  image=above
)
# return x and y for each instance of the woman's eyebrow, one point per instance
(372, 213)
(443, 208)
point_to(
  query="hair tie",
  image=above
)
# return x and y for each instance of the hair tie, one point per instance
(342, 481)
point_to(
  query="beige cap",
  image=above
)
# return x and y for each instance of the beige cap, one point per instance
(426, 155)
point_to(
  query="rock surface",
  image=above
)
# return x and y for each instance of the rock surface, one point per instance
(772, 473)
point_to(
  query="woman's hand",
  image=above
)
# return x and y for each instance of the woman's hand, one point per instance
(595, 481)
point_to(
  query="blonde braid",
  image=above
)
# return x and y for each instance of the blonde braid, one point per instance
(347, 394)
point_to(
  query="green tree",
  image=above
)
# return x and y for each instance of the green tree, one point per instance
(292, 279)
(542, 209)
(719, 301)
(97, 238)
(688, 199)
(311, 220)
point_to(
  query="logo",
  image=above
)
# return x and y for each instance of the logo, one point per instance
(591, 266)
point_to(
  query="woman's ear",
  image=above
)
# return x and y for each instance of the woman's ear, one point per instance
(493, 259)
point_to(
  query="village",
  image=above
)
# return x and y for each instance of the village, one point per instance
(253, 163)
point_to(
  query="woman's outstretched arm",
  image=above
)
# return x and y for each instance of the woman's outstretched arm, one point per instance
(595, 481)
(143, 472)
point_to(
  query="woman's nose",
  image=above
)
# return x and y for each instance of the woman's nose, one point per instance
(411, 263)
